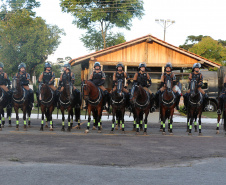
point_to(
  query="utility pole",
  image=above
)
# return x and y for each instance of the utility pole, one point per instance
(165, 24)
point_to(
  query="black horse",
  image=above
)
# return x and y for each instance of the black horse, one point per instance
(167, 105)
(195, 107)
(118, 102)
(5, 101)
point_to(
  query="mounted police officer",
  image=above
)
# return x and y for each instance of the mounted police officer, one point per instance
(98, 78)
(121, 74)
(4, 80)
(24, 80)
(168, 72)
(143, 79)
(48, 77)
(221, 98)
(68, 75)
(195, 74)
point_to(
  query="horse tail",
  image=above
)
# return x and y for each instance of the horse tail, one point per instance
(9, 112)
(77, 114)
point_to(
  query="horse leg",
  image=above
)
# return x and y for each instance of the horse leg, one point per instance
(141, 120)
(3, 118)
(195, 123)
(42, 122)
(171, 121)
(63, 118)
(218, 123)
(200, 123)
(51, 108)
(0, 120)
(69, 120)
(122, 117)
(161, 117)
(146, 121)
(113, 120)
(89, 118)
(188, 118)
(138, 122)
(163, 122)
(94, 119)
(24, 118)
(191, 122)
(9, 112)
(29, 117)
(77, 111)
(17, 118)
(99, 118)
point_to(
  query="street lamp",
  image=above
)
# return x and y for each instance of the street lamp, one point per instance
(165, 24)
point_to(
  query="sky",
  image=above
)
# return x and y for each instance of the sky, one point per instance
(192, 17)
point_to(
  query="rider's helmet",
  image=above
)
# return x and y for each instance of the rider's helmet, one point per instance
(119, 65)
(68, 66)
(1, 65)
(97, 64)
(169, 65)
(21, 65)
(196, 65)
(142, 65)
(47, 65)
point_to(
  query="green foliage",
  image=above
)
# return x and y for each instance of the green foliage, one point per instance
(210, 49)
(103, 14)
(26, 39)
(93, 39)
(190, 41)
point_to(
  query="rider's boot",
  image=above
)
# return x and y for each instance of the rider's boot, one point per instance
(177, 100)
(31, 97)
(157, 99)
(185, 101)
(205, 101)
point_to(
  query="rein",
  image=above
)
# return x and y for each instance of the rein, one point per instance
(97, 100)
(44, 102)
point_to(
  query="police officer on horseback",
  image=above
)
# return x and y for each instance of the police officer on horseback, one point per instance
(69, 76)
(143, 78)
(168, 72)
(195, 74)
(48, 77)
(98, 78)
(24, 80)
(4, 80)
(121, 74)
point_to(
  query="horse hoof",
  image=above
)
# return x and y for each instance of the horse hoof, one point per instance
(29, 126)
(137, 133)
(94, 128)
(51, 129)
(86, 131)
(141, 129)
(189, 134)
(200, 134)
(63, 129)
(217, 132)
(163, 133)
(145, 133)
(160, 130)
(171, 133)
(46, 126)
(116, 127)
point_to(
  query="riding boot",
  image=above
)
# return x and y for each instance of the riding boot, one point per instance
(220, 105)
(185, 101)
(205, 101)
(177, 100)
(31, 97)
(153, 107)
(157, 99)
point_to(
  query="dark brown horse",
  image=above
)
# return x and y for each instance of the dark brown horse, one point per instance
(94, 98)
(66, 101)
(20, 101)
(167, 105)
(118, 102)
(142, 102)
(46, 100)
(223, 113)
(4, 103)
(195, 107)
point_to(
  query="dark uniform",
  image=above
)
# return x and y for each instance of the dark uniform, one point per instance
(24, 80)
(199, 78)
(143, 79)
(98, 78)
(163, 85)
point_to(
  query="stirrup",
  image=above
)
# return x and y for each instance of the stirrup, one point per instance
(219, 111)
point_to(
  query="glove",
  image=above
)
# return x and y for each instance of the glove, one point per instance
(162, 84)
(125, 87)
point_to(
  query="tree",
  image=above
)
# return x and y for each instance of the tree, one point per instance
(210, 49)
(93, 39)
(103, 15)
(26, 39)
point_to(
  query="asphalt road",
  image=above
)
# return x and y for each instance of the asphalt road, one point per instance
(56, 157)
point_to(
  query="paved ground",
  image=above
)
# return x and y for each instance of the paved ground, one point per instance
(101, 158)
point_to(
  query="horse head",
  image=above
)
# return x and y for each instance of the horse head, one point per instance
(44, 90)
(193, 87)
(85, 90)
(168, 82)
(67, 88)
(16, 85)
(119, 87)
